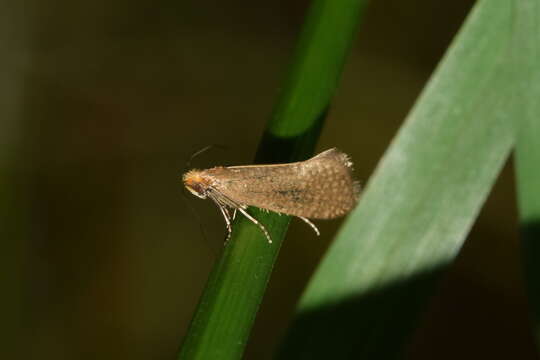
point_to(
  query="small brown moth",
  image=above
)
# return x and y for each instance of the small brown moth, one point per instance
(319, 188)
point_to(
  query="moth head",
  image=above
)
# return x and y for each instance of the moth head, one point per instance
(196, 183)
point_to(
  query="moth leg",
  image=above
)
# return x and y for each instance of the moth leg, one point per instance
(256, 223)
(312, 225)
(234, 214)
(227, 218)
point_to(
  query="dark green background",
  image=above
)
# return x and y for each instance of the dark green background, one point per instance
(103, 102)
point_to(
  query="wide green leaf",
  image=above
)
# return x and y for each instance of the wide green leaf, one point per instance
(426, 192)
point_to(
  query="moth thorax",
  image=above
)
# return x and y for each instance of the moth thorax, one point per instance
(196, 183)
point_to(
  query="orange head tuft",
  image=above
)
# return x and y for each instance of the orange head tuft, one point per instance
(196, 183)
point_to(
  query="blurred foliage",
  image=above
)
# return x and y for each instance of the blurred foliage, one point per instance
(528, 193)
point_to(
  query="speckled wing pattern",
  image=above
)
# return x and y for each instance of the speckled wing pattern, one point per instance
(319, 188)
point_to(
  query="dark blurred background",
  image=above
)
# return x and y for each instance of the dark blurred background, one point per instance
(102, 103)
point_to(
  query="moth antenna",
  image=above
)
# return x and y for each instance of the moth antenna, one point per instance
(199, 152)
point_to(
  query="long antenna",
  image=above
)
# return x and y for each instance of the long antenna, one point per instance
(199, 152)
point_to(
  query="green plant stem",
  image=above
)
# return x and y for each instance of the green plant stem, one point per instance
(229, 304)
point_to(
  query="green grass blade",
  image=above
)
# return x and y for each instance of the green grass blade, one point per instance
(230, 301)
(425, 194)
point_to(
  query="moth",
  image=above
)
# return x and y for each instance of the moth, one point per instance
(318, 188)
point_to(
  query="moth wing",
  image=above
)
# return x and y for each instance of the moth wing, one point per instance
(319, 188)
